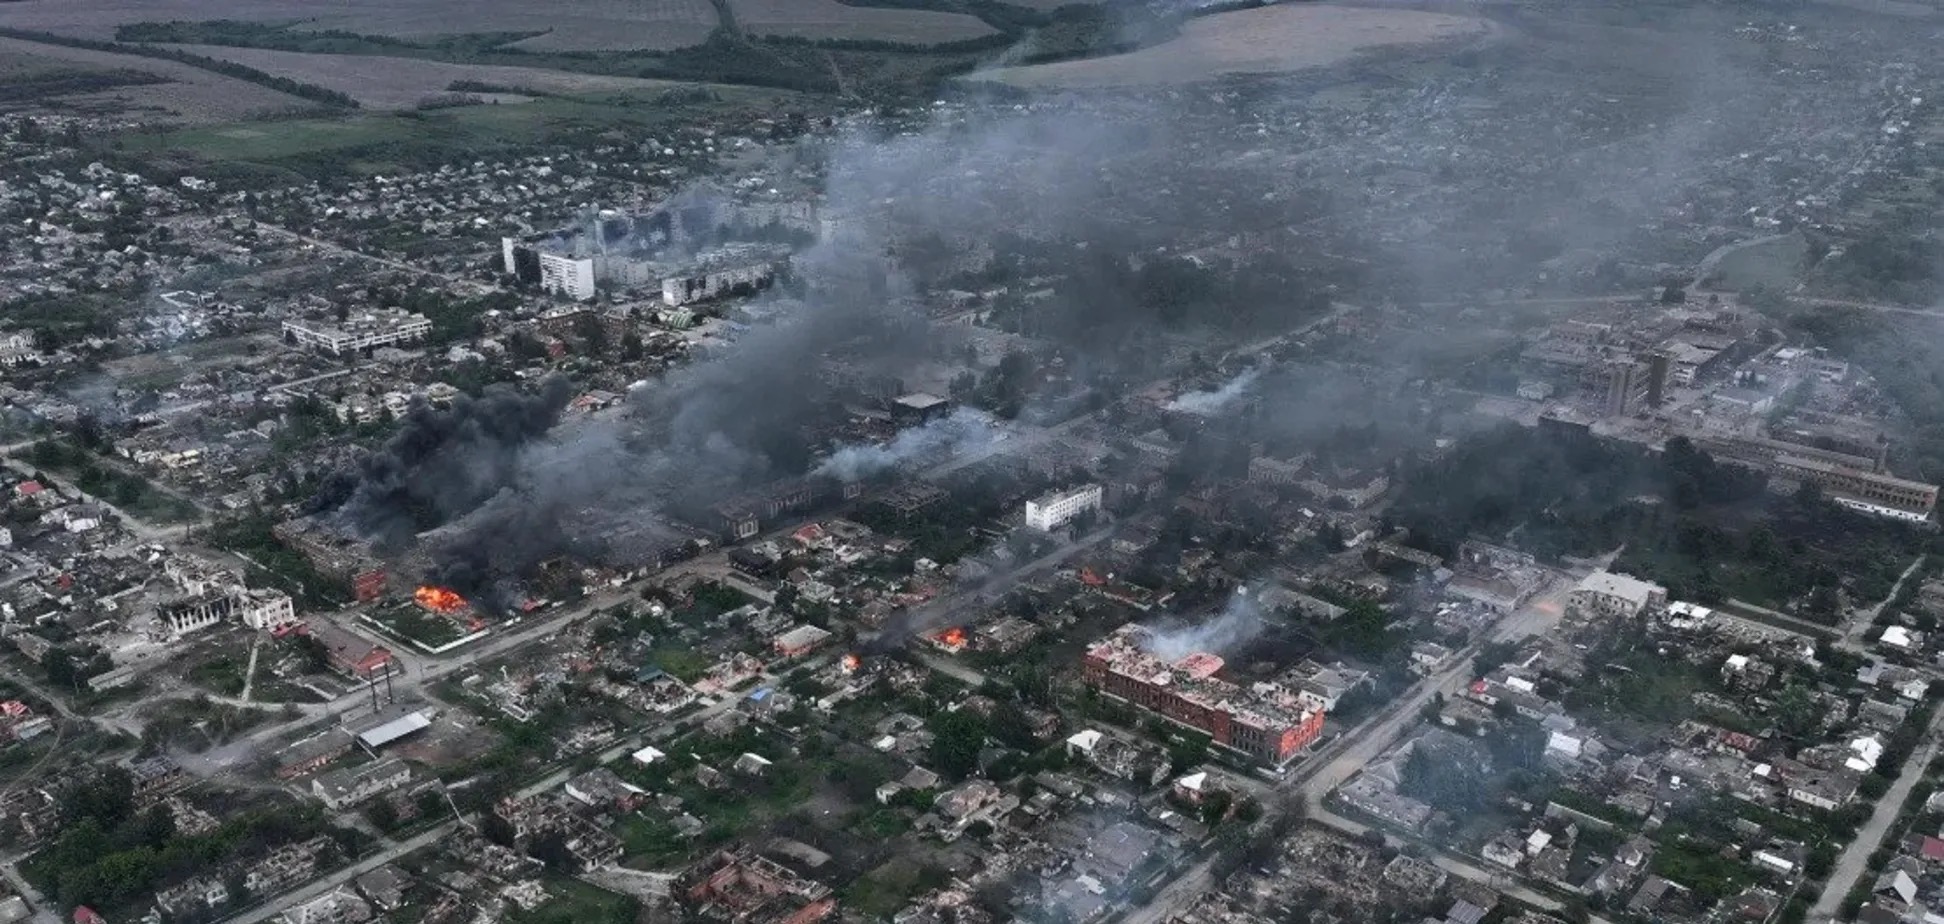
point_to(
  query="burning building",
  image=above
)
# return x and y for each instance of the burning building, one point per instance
(1263, 723)
(951, 641)
(440, 600)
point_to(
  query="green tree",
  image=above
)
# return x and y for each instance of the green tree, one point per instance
(957, 738)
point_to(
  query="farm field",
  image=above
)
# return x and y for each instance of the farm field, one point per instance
(828, 19)
(132, 87)
(381, 82)
(1271, 39)
(579, 25)
(376, 142)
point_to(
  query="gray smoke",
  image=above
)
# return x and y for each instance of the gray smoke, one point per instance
(1239, 621)
(963, 431)
(1210, 402)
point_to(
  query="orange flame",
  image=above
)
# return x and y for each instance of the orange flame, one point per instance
(439, 599)
(852, 663)
(952, 638)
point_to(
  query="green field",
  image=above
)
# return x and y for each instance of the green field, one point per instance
(371, 143)
(576, 902)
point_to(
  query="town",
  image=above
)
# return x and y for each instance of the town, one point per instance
(1408, 491)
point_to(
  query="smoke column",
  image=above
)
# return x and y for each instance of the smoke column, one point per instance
(1210, 402)
(963, 431)
(1240, 621)
(444, 461)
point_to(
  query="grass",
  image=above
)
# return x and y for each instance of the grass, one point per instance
(651, 843)
(683, 664)
(413, 624)
(576, 902)
(882, 892)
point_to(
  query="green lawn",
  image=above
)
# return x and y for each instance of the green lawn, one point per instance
(576, 902)
(408, 621)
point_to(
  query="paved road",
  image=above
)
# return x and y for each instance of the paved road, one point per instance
(42, 909)
(318, 887)
(1855, 859)
(1861, 621)
(1361, 745)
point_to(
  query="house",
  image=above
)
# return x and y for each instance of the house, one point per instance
(960, 803)
(154, 776)
(799, 640)
(1507, 850)
(1900, 638)
(600, 788)
(751, 764)
(1824, 789)
(202, 894)
(384, 887)
(1192, 788)
(339, 906)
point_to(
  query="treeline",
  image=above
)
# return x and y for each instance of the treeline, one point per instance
(296, 88)
(1706, 531)
(29, 87)
(238, 34)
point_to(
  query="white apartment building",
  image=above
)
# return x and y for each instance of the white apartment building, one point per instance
(1055, 509)
(360, 332)
(562, 275)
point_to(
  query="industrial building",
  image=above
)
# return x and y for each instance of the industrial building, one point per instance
(344, 788)
(369, 330)
(1864, 491)
(1854, 481)
(1266, 723)
(1055, 509)
(330, 551)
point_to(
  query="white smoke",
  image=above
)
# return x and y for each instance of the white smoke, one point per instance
(964, 430)
(1240, 621)
(1209, 402)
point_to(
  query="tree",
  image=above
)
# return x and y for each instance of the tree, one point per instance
(61, 670)
(1186, 752)
(1215, 807)
(957, 738)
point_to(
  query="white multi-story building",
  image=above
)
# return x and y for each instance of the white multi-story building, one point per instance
(190, 614)
(1605, 594)
(267, 609)
(569, 276)
(362, 332)
(1055, 509)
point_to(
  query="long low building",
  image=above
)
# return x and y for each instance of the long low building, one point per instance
(1895, 496)
(1267, 726)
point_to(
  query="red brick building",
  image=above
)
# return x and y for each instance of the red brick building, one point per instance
(1270, 726)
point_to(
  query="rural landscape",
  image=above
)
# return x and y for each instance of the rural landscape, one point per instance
(971, 461)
